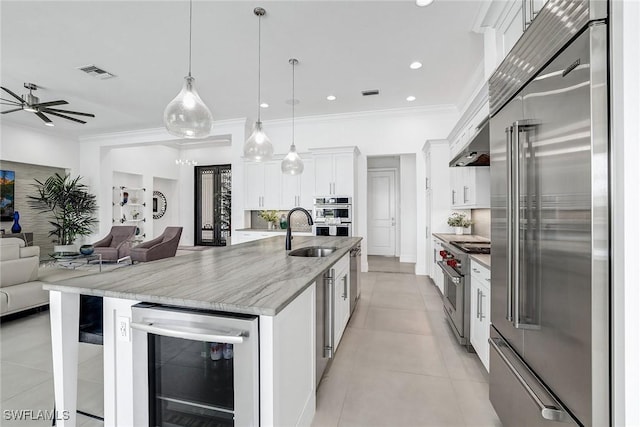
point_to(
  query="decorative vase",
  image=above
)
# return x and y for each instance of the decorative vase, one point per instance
(270, 225)
(459, 230)
(86, 249)
(16, 228)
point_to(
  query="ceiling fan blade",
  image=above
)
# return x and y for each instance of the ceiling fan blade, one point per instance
(11, 101)
(12, 94)
(67, 112)
(43, 117)
(65, 117)
(11, 111)
(50, 103)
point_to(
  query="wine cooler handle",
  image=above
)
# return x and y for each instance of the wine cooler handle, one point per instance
(185, 332)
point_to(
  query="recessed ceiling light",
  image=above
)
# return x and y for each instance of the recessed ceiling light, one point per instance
(411, 98)
(331, 97)
(423, 3)
(415, 65)
(264, 105)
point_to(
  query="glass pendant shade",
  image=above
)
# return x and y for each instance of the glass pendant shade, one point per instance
(292, 163)
(258, 146)
(186, 115)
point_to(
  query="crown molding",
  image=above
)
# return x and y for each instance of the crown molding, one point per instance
(159, 135)
(395, 112)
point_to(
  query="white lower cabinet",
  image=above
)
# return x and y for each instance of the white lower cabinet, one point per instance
(438, 275)
(341, 311)
(238, 237)
(480, 311)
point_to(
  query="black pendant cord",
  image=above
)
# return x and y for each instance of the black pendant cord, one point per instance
(190, 25)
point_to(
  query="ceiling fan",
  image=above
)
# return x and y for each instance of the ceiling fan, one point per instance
(32, 104)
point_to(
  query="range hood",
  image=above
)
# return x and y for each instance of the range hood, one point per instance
(476, 153)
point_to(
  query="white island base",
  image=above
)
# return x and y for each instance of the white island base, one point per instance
(287, 364)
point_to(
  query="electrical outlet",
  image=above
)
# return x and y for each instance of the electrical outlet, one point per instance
(124, 329)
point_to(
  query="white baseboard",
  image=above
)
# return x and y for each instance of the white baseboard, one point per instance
(408, 258)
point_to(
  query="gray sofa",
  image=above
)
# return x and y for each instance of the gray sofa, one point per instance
(20, 288)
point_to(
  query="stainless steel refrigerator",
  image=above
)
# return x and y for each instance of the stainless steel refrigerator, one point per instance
(549, 360)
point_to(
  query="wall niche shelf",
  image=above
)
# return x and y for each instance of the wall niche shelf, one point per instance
(128, 209)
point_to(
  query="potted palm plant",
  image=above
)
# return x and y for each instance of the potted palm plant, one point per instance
(72, 207)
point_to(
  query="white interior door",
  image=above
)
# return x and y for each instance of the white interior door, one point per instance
(381, 213)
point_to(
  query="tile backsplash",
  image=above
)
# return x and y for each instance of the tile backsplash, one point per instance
(298, 221)
(481, 222)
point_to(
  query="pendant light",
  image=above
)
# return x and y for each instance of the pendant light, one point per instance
(292, 163)
(258, 146)
(186, 115)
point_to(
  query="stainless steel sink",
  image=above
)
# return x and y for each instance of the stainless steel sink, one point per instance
(312, 251)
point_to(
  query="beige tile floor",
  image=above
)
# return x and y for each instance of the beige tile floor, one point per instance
(389, 264)
(397, 365)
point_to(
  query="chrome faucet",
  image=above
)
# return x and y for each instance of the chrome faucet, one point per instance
(287, 239)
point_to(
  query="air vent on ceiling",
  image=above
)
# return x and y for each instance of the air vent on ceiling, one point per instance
(370, 92)
(96, 72)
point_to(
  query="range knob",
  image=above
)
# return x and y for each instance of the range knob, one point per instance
(443, 254)
(453, 263)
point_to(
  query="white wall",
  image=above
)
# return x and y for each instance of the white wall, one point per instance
(408, 208)
(152, 154)
(382, 133)
(625, 205)
(25, 145)
(171, 218)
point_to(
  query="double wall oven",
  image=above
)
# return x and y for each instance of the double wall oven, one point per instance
(332, 216)
(455, 265)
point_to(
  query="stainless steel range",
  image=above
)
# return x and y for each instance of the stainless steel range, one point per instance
(457, 284)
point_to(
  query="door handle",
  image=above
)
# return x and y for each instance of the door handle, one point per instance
(509, 212)
(553, 412)
(481, 295)
(344, 290)
(328, 314)
(190, 333)
(478, 304)
(393, 221)
(464, 194)
(453, 197)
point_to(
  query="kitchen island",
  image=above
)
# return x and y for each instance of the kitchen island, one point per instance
(254, 278)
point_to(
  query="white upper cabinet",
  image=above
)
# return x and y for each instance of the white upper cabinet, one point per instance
(297, 190)
(470, 187)
(335, 171)
(262, 185)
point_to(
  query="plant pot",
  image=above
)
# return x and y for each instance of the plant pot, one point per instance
(270, 225)
(459, 230)
(65, 249)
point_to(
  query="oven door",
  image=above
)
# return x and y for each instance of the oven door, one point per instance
(453, 296)
(341, 230)
(194, 367)
(322, 213)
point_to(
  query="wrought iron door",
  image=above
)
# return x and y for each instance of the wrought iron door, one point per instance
(212, 205)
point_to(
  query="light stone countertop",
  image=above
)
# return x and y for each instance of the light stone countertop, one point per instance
(253, 278)
(450, 237)
(482, 259)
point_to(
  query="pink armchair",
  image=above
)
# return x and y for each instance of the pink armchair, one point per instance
(117, 244)
(163, 246)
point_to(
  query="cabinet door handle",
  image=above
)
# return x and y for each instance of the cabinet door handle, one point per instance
(464, 194)
(475, 270)
(478, 304)
(344, 289)
(453, 197)
(482, 316)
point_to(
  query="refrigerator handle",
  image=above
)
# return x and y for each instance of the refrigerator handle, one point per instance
(515, 233)
(553, 412)
(509, 211)
(520, 126)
